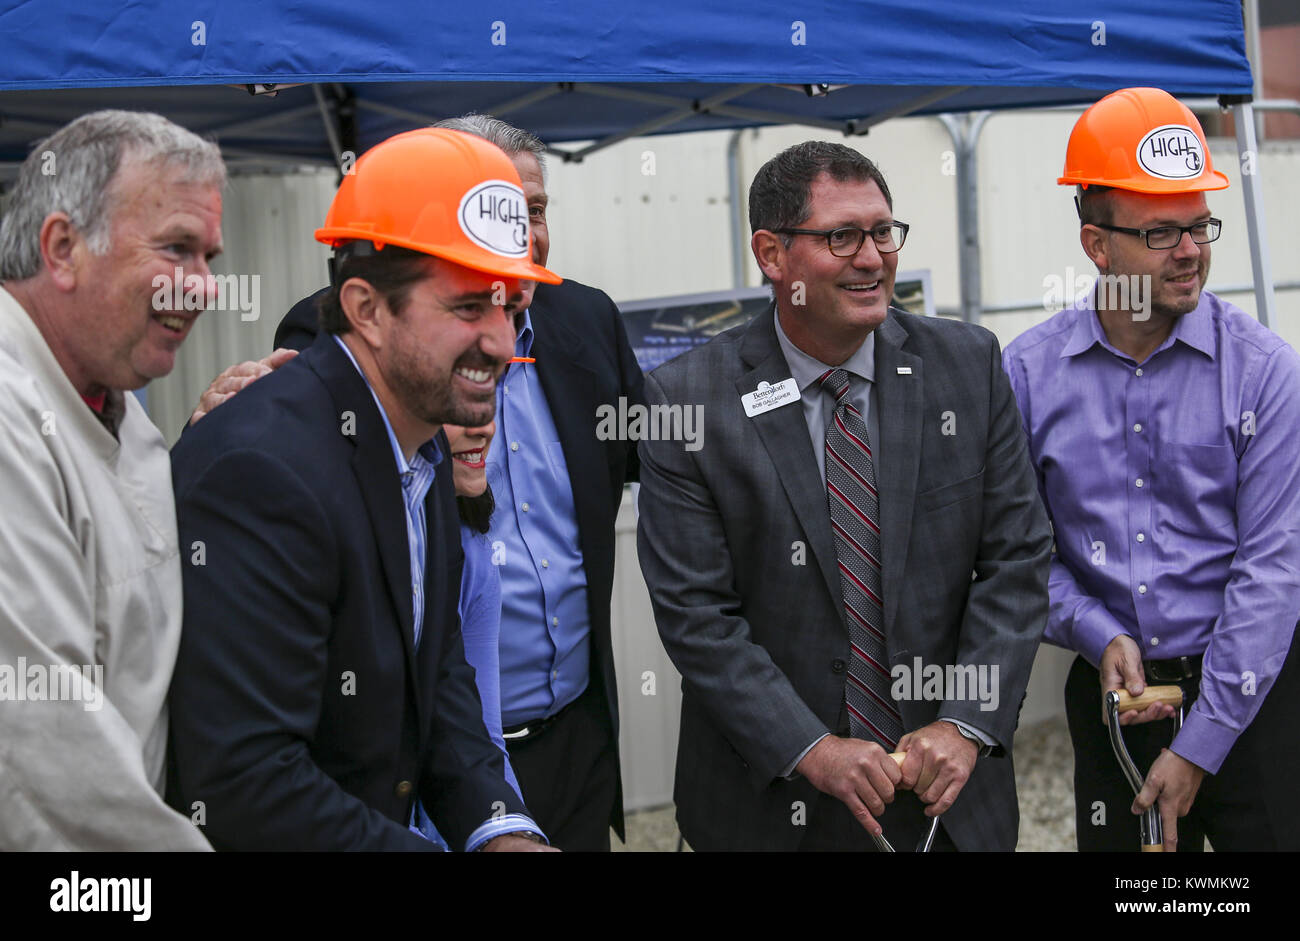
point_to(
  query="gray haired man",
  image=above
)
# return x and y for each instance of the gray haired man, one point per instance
(107, 214)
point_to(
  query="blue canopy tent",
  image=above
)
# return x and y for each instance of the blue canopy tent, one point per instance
(331, 76)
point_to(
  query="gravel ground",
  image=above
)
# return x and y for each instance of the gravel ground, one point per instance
(1044, 781)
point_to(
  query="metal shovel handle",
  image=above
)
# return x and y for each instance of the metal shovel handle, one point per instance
(1117, 701)
(884, 845)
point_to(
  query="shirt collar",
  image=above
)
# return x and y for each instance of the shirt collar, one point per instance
(806, 370)
(1087, 331)
(1194, 328)
(428, 452)
(524, 338)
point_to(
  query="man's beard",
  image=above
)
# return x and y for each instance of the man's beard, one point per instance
(1184, 306)
(431, 397)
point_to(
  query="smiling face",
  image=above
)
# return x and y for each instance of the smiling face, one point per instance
(1177, 274)
(119, 338)
(829, 304)
(530, 173)
(469, 448)
(442, 355)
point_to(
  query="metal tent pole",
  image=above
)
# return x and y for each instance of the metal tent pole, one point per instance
(1262, 271)
(964, 129)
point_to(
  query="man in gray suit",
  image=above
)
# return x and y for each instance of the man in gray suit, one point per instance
(819, 623)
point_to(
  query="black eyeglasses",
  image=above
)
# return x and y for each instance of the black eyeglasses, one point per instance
(1167, 236)
(846, 241)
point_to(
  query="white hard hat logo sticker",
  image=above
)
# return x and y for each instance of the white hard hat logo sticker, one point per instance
(494, 215)
(1172, 152)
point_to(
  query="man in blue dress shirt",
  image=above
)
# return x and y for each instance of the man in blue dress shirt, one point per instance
(557, 489)
(1162, 422)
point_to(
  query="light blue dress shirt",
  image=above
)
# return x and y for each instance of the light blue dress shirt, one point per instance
(417, 477)
(480, 624)
(544, 618)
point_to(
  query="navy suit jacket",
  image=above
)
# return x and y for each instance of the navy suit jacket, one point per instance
(303, 716)
(583, 361)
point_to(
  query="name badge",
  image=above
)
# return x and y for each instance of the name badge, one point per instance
(767, 397)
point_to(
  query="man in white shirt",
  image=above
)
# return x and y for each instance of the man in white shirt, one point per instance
(111, 218)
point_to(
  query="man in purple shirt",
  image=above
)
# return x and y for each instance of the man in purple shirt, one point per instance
(1162, 422)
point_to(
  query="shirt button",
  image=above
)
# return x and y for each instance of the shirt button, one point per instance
(1138, 427)
(545, 564)
(555, 622)
(1139, 371)
(505, 389)
(514, 445)
(525, 506)
(1142, 537)
(1136, 483)
(1155, 641)
(1142, 589)
(403, 788)
(837, 665)
(554, 674)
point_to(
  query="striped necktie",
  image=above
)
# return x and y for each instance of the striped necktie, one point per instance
(855, 519)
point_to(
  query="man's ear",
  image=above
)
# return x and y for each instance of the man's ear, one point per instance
(365, 309)
(769, 252)
(1096, 246)
(62, 244)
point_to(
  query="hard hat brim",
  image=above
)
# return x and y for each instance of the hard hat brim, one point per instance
(1214, 180)
(477, 260)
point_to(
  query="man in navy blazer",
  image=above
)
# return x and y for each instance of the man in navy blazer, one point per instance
(321, 684)
(565, 748)
(566, 753)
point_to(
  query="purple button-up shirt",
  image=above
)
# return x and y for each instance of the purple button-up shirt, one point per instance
(1174, 490)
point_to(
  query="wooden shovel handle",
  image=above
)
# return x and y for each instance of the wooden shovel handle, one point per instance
(1171, 695)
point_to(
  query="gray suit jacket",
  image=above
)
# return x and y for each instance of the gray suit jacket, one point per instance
(737, 550)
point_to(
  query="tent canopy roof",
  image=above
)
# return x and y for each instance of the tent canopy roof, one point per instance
(576, 70)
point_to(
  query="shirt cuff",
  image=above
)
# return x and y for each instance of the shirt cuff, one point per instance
(500, 826)
(1093, 633)
(788, 771)
(987, 740)
(1202, 741)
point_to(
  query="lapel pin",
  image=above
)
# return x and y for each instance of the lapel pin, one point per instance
(905, 370)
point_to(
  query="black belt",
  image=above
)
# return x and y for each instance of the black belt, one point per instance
(527, 730)
(1174, 670)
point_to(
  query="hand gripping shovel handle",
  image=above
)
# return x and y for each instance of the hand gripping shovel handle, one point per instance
(1117, 701)
(884, 846)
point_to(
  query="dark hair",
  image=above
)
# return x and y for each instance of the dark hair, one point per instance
(476, 512)
(392, 272)
(1095, 205)
(780, 195)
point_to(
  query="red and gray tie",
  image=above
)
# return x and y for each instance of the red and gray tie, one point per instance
(855, 520)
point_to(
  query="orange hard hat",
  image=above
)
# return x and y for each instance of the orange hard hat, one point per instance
(445, 193)
(1141, 139)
